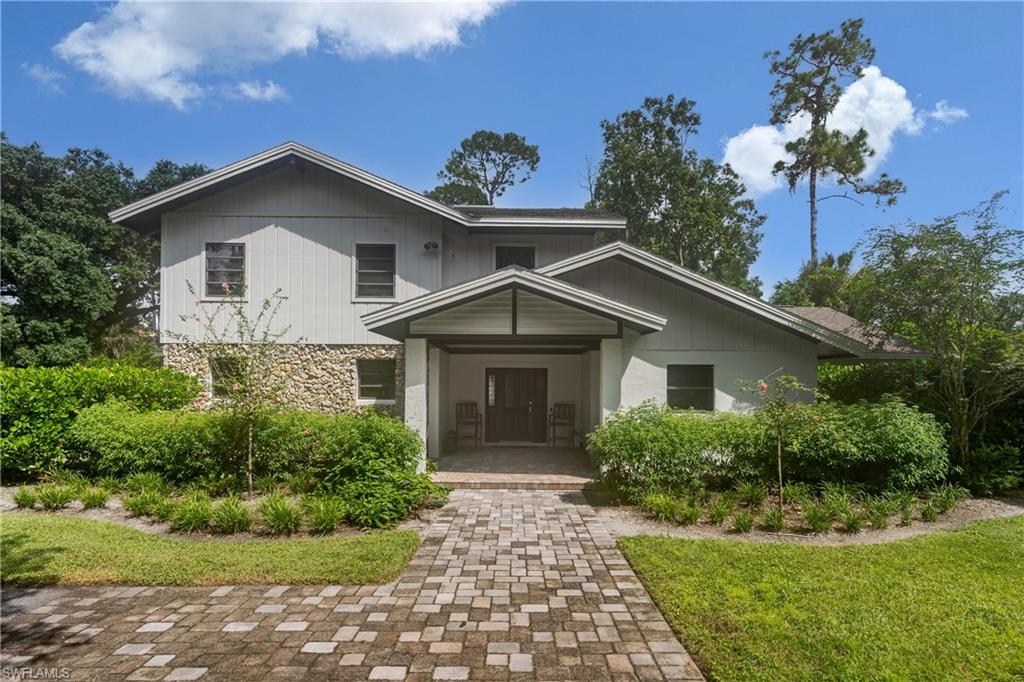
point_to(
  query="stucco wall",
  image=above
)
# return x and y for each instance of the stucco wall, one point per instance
(310, 376)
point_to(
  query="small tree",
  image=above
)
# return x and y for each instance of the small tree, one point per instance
(457, 194)
(241, 348)
(810, 82)
(778, 402)
(489, 162)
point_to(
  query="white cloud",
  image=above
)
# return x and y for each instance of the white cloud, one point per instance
(45, 76)
(256, 91)
(163, 51)
(874, 102)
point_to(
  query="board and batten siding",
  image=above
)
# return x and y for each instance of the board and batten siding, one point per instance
(300, 230)
(700, 331)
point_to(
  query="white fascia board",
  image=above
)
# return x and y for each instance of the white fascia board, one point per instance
(375, 181)
(714, 289)
(556, 289)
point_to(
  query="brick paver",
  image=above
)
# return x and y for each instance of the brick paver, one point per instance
(507, 585)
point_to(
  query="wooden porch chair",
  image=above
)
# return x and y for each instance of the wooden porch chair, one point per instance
(562, 424)
(467, 417)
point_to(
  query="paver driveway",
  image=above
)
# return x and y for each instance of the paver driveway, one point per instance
(507, 585)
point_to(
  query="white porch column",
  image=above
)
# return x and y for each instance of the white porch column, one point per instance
(610, 376)
(434, 402)
(416, 390)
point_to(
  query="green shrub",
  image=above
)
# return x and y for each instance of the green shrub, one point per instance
(95, 498)
(689, 514)
(230, 516)
(325, 513)
(54, 497)
(752, 494)
(818, 518)
(280, 516)
(929, 512)
(39, 404)
(742, 522)
(773, 520)
(798, 493)
(142, 503)
(662, 507)
(852, 521)
(878, 445)
(721, 508)
(25, 498)
(192, 514)
(137, 483)
(878, 511)
(995, 468)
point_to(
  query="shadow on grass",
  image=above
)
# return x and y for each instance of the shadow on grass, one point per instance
(29, 565)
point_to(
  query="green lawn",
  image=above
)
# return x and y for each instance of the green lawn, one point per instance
(949, 605)
(47, 550)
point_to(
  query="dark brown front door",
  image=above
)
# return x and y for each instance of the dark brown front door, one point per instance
(517, 404)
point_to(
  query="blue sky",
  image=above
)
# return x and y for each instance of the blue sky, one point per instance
(393, 93)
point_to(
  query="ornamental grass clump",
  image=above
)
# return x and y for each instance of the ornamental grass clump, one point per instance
(142, 503)
(877, 510)
(25, 498)
(929, 512)
(752, 494)
(852, 522)
(280, 516)
(54, 497)
(193, 514)
(325, 514)
(721, 508)
(818, 518)
(230, 516)
(946, 497)
(662, 507)
(95, 498)
(773, 520)
(742, 522)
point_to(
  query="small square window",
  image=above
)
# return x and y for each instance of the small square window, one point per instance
(224, 373)
(691, 387)
(375, 271)
(376, 379)
(523, 256)
(225, 269)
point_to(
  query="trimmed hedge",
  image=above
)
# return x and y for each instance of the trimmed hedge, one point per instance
(881, 445)
(38, 405)
(185, 446)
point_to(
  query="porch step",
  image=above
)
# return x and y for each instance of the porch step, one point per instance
(510, 482)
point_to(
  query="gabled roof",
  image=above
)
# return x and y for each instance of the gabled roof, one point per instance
(840, 322)
(144, 214)
(514, 277)
(837, 342)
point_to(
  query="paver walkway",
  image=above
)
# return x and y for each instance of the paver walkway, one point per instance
(507, 585)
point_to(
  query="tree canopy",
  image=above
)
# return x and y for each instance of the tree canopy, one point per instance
(69, 276)
(456, 194)
(810, 80)
(680, 206)
(825, 285)
(489, 163)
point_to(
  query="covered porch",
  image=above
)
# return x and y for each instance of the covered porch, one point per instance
(492, 364)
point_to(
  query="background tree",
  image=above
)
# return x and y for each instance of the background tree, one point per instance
(70, 277)
(944, 286)
(678, 205)
(810, 81)
(456, 194)
(824, 285)
(489, 162)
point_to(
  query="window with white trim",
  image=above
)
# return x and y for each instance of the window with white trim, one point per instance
(524, 256)
(225, 269)
(376, 379)
(375, 271)
(691, 387)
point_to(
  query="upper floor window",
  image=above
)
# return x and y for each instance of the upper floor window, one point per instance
(225, 269)
(375, 271)
(691, 387)
(376, 379)
(524, 256)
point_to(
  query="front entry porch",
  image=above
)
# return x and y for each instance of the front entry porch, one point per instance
(517, 467)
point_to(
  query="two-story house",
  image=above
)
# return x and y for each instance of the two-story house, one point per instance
(398, 301)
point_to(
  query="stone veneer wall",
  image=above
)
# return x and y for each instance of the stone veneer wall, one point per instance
(313, 377)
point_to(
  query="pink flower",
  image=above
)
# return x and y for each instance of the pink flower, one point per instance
(234, 387)
(762, 387)
(225, 286)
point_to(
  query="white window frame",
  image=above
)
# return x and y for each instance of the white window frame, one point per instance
(669, 387)
(375, 401)
(356, 298)
(246, 251)
(494, 253)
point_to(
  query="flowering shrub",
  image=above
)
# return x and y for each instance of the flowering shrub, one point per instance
(38, 404)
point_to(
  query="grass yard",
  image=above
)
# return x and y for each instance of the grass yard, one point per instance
(48, 550)
(944, 606)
